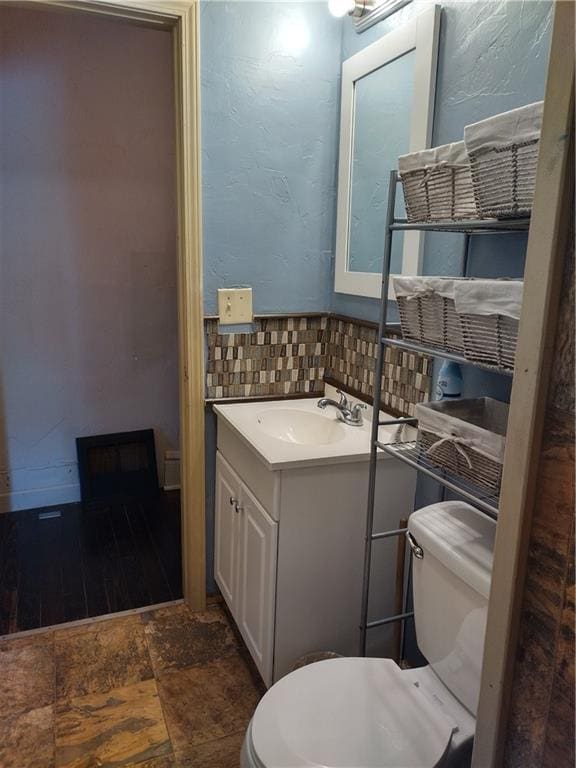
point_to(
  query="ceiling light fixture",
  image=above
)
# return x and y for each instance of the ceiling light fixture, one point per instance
(365, 12)
(341, 8)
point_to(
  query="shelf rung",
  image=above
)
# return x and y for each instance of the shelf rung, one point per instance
(401, 420)
(389, 620)
(388, 534)
(464, 227)
(422, 349)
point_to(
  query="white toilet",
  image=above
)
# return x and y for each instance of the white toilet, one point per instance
(368, 713)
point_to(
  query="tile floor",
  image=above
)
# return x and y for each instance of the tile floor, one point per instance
(163, 689)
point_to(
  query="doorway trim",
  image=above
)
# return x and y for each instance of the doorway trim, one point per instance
(182, 17)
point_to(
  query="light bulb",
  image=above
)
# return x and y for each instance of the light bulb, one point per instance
(340, 8)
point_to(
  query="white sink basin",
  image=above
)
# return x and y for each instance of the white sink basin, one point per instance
(300, 427)
(291, 433)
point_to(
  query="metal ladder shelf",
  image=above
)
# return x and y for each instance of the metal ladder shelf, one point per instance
(408, 452)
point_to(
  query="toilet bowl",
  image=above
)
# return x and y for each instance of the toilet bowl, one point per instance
(358, 713)
(367, 712)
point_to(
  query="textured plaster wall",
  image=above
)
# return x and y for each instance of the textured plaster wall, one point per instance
(88, 320)
(270, 104)
(492, 57)
(270, 90)
(270, 118)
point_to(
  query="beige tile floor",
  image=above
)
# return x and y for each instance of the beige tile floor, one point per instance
(162, 689)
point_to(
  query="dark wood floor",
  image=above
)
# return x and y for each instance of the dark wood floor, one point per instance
(92, 560)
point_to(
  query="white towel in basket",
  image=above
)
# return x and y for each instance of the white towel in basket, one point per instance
(447, 154)
(488, 297)
(412, 287)
(514, 127)
(460, 433)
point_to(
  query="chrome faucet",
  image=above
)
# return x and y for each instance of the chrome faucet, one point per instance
(346, 412)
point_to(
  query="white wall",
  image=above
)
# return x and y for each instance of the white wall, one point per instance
(88, 315)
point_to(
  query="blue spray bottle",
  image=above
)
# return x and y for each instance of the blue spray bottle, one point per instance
(449, 384)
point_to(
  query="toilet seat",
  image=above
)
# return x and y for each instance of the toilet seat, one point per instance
(349, 713)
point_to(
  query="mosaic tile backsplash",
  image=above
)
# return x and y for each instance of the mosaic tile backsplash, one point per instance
(353, 348)
(295, 355)
(283, 356)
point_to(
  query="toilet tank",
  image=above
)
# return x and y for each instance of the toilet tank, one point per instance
(451, 584)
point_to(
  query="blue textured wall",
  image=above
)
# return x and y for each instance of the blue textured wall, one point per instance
(269, 137)
(270, 133)
(270, 121)
(270, 110)
(492, 57)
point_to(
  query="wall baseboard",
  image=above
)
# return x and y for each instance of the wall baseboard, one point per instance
(171, 471)
(39, 497)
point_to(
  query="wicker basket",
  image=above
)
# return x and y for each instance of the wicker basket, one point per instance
(489, 311)
(465, 437)
(490, 340)
(437, 184)
(427, 312)
(503, 153)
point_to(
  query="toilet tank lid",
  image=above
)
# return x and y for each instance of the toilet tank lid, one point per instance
(460, 537)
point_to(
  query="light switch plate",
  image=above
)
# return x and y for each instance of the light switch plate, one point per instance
(235, 305)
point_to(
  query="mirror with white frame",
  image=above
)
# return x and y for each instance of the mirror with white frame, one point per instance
(387, 110)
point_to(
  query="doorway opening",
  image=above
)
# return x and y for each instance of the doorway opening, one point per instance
(97, 329)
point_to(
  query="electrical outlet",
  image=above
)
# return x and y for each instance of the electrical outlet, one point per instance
(235, 305)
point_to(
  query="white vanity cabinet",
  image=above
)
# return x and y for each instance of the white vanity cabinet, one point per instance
(245, 563)
(289, 545)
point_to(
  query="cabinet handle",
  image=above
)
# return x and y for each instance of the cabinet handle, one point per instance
(233, 501)
(239, 509)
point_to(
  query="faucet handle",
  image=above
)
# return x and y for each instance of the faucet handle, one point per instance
(343, 399)
(356, 408)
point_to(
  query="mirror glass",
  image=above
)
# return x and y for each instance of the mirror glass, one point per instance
(381, 124)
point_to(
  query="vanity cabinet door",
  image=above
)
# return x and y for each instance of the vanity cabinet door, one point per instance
(258, 556)
(227, 533)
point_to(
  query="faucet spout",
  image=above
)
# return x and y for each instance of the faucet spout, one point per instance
(324, 402)
(345, 413)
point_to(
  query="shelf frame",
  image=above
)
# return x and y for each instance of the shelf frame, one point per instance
(482, 501)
